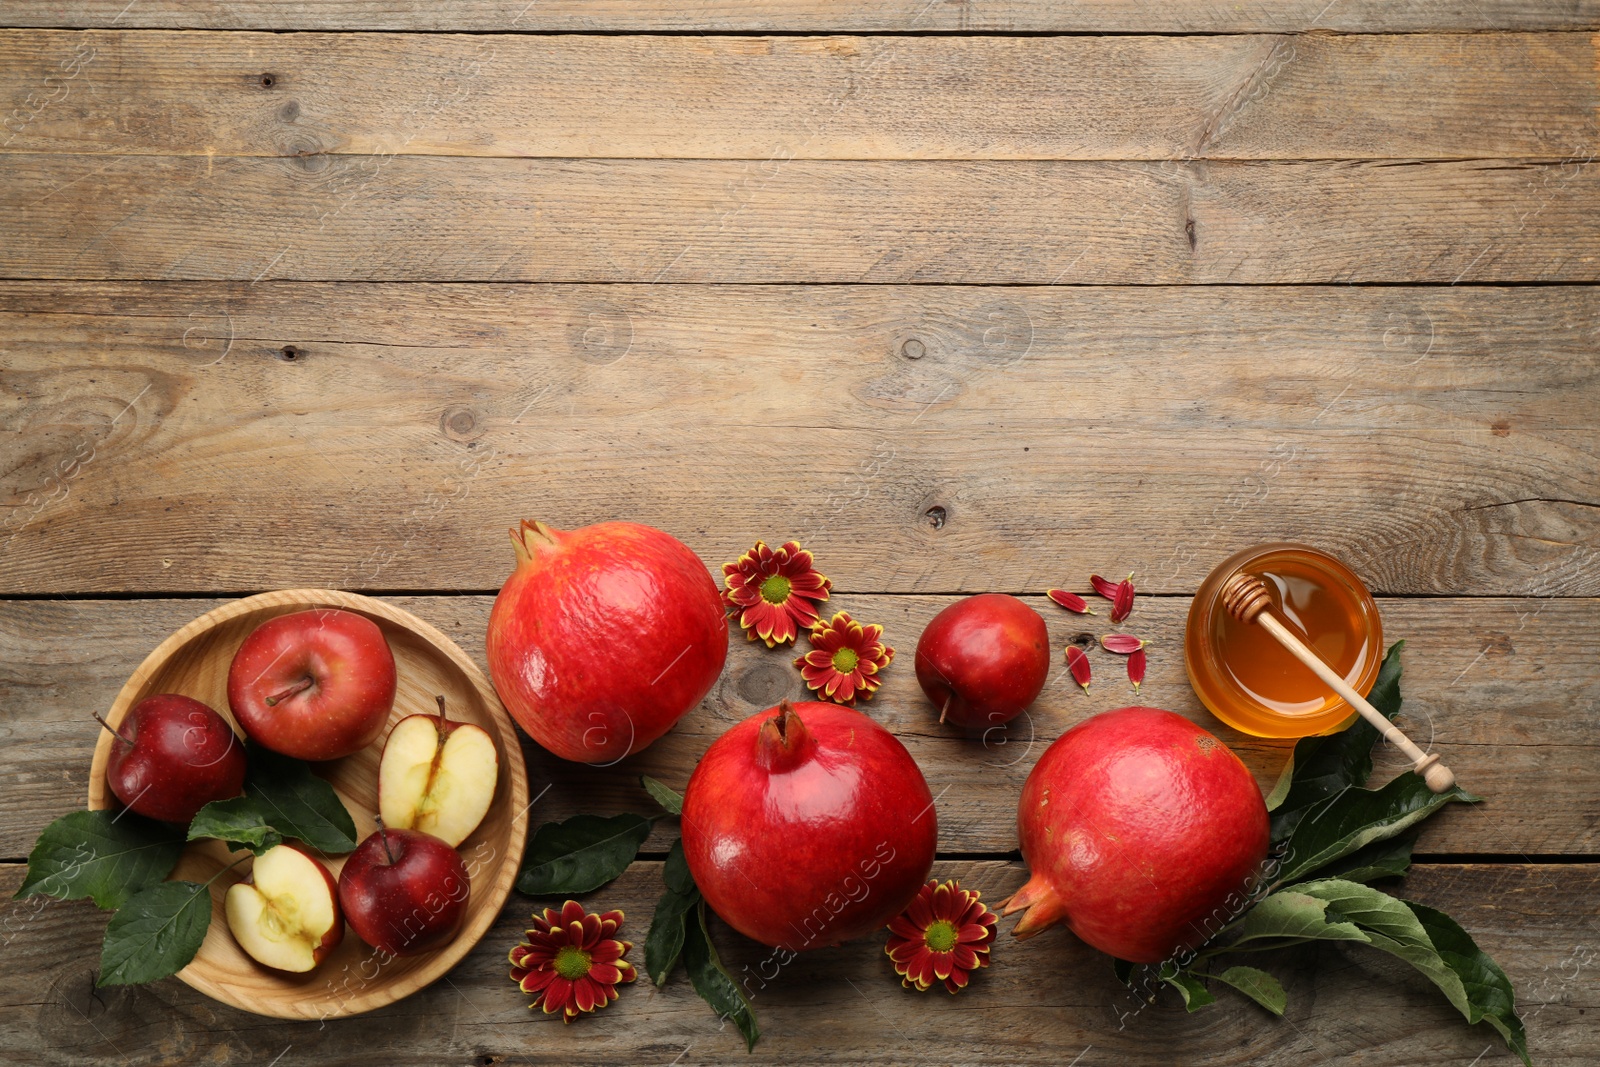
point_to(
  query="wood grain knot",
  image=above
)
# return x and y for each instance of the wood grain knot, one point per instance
(267, 81)
(460, 423)
(290, 353)
(913, 349)
(937, 516)
(765, 684)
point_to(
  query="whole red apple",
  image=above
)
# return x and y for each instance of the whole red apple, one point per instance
(172, 756)
(1144, 833)
(983, 660)
(604, 637)
(315, 685)
(807, 825)
(404, 891)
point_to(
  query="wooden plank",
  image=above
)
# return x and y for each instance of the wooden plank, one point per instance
(1499, 687)
(1450, 96)
(416, 218)
(898, 16)
(1044, 1001)
(919, 438)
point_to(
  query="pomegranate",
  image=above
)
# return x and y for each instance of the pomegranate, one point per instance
(983, 660)
(807, 825)
(603, 637)
(1144, 833)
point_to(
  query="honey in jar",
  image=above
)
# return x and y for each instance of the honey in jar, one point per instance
(1251, 682)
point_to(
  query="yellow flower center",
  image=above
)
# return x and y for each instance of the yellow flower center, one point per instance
(775, 590)
(940, 935)
(845, 660)
(572, 962)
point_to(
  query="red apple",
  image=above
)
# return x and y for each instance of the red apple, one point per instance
(172, 756)
(404, 892)
(437, 776)
(315, 685)
(983, 660)
(286, 914)
(604, 637)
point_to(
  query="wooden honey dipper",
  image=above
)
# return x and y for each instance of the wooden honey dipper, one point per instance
(1245, 598)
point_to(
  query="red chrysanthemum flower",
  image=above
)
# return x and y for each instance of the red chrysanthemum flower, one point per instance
(845, 659)
(570, 962)
(942, 936)
(774, 592)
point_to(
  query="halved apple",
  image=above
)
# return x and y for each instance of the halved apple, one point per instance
(286, 914)
(437, 776)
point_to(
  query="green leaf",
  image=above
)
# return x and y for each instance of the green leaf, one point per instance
(1288, 917)
(240, 823)
(581, 854)
(1435, 945)
(1381, 859)
(1323, 766)
(1280, 791)
(667, 797)
(1490, 997)
(1259, 986)
(664, 944)
(107, 856)
(1355, 818)
(298, 803)
(712, 981)
(155, 934)
(675, 872)
(1195, 994)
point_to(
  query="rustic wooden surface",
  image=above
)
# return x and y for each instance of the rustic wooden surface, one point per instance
(968, 295)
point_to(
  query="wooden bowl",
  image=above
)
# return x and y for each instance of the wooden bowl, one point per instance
(354, 978)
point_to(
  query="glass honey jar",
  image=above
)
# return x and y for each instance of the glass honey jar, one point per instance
(1251, 682)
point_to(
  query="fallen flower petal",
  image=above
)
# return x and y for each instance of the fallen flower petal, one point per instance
(1104, 586)
(1071, 601)
(1136, 668)
(1078, 664)
(1122, 644)
(1122, 603)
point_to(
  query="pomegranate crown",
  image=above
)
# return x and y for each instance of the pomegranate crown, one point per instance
(531, 537)
(783, 741)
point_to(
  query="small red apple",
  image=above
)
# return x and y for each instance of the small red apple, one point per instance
(315, 685)
(172, 756)
(404, 891)
(983, 660)
(286, 914)
(437, 776)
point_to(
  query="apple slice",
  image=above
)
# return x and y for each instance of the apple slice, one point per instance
(437, 776)
(286, 914)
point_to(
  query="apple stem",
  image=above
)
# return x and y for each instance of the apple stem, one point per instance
(946, 708)
(113, 729)
(383, 835)
(279, 698)
(226, 869)
(440, 699)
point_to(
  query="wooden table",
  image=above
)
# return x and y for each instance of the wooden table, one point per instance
(967, 295)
